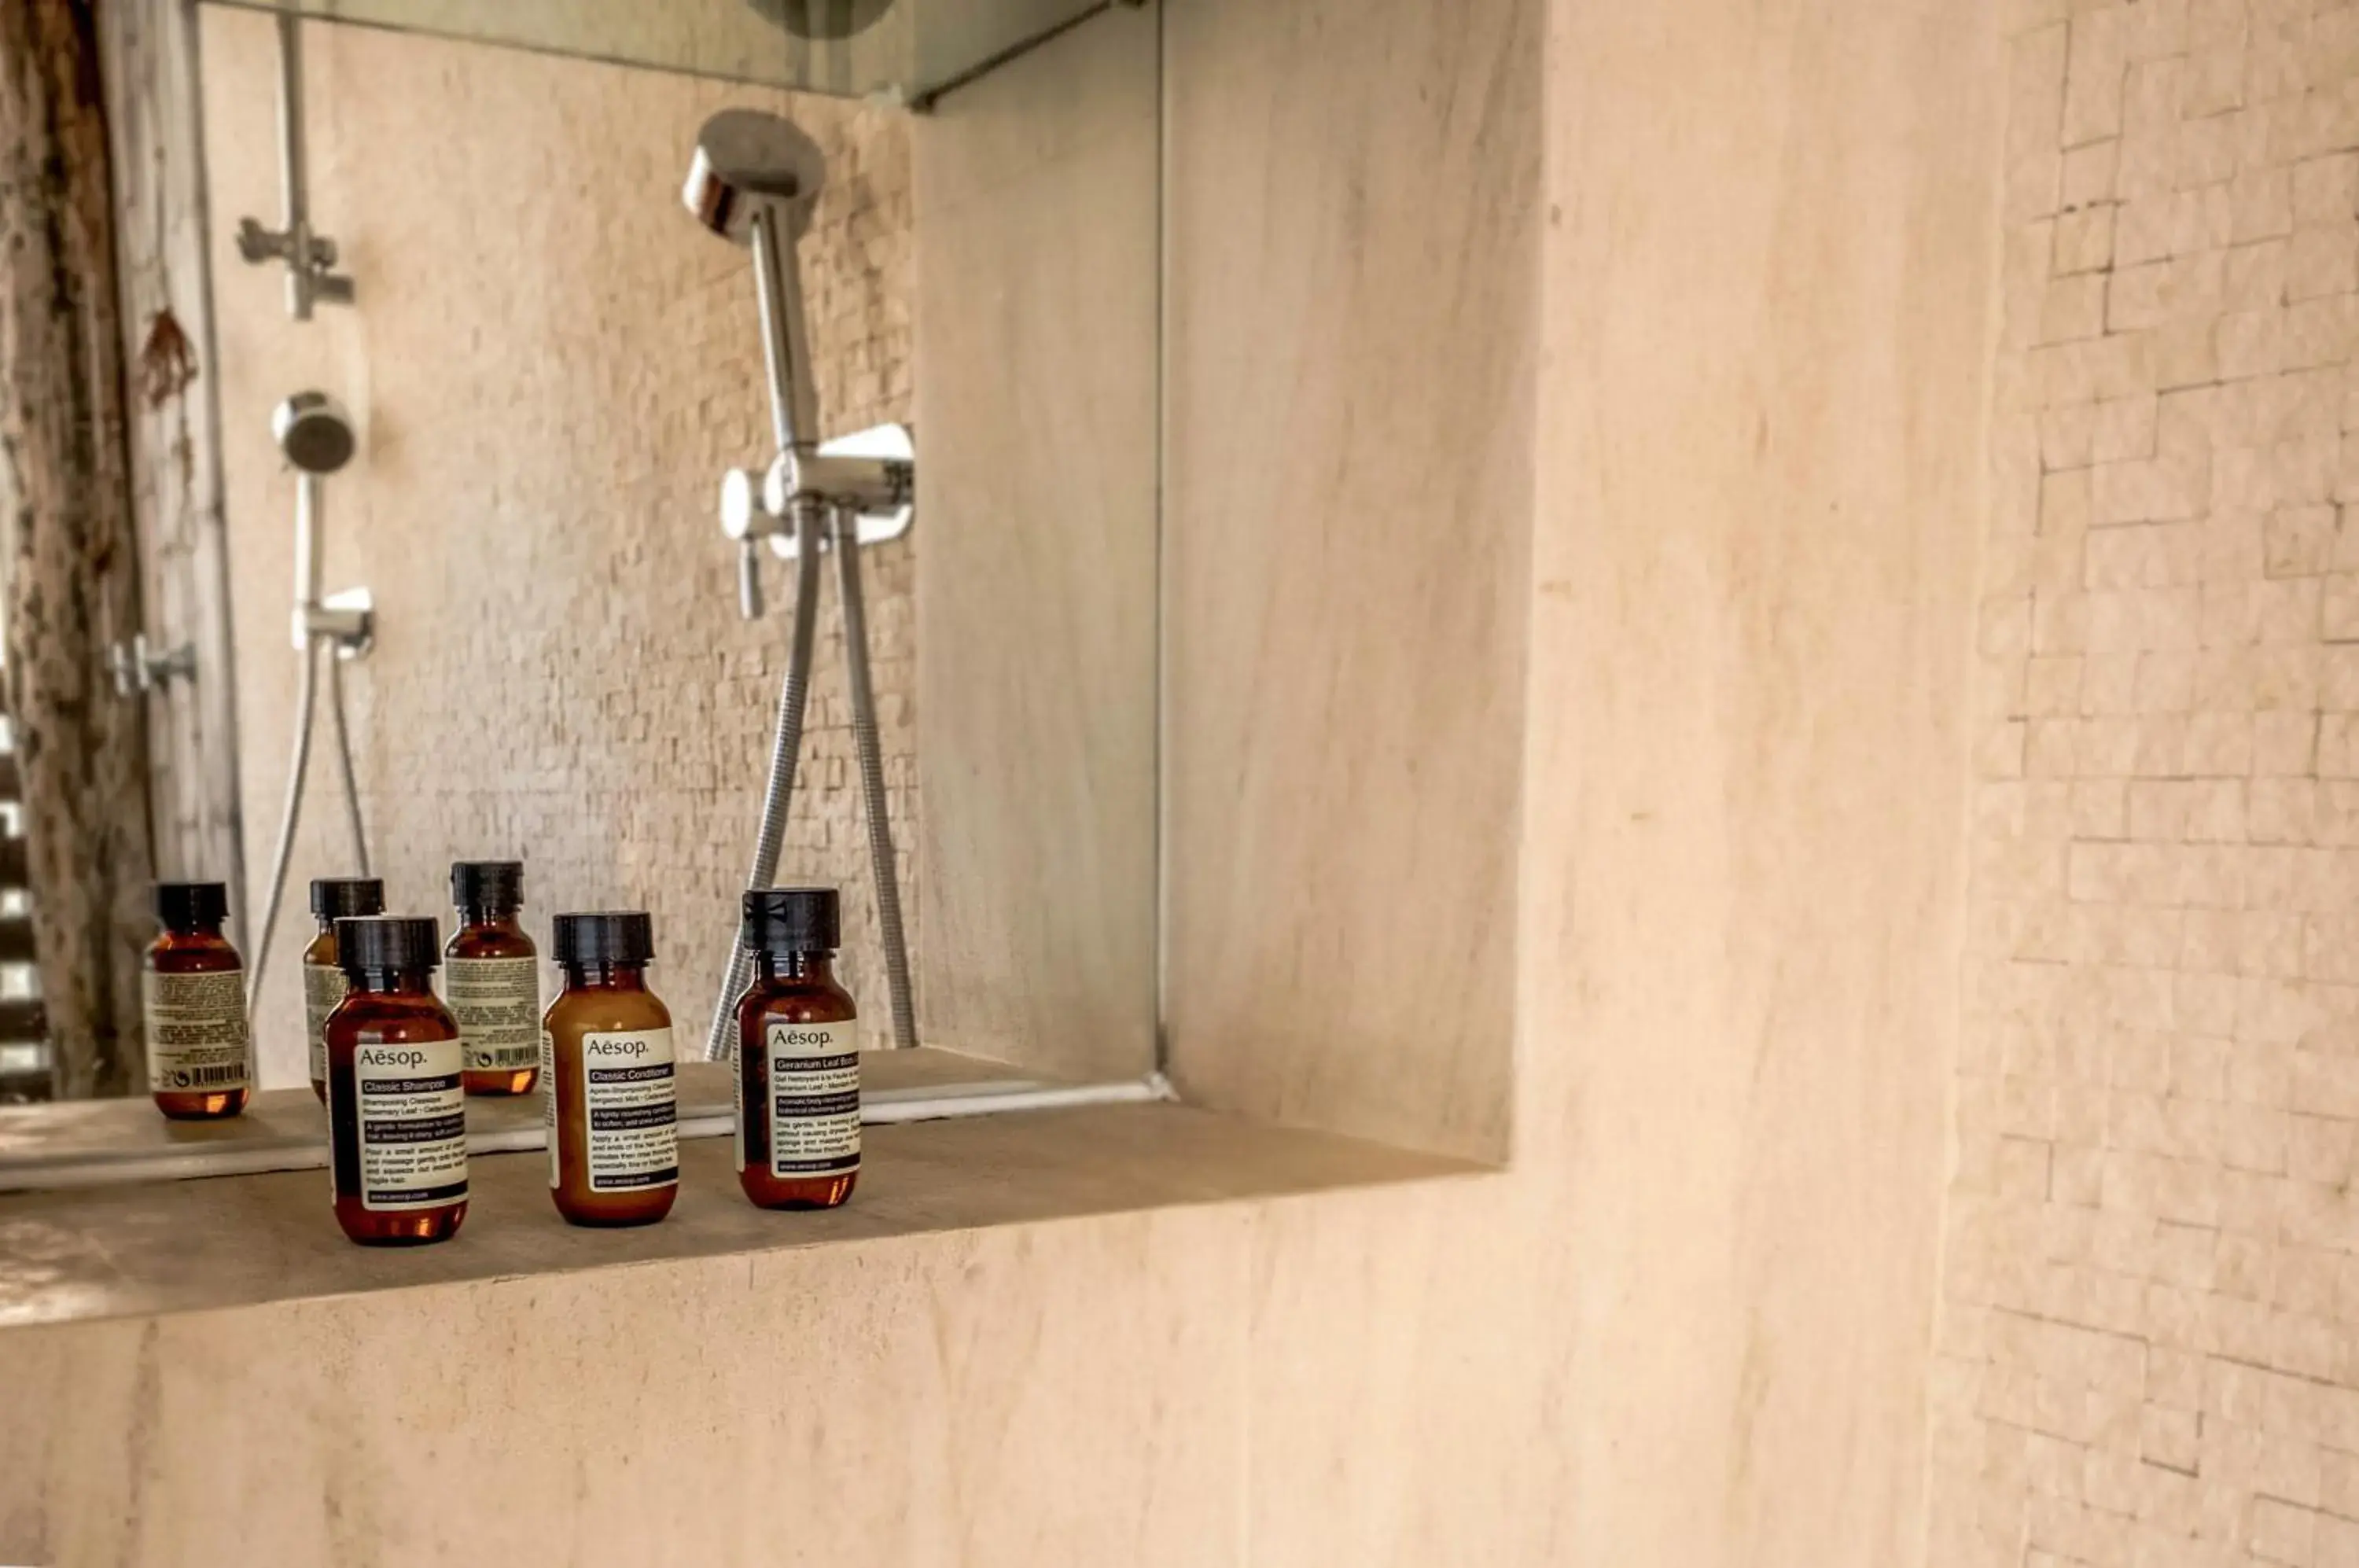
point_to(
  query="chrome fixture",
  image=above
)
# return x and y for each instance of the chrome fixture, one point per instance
(138, 669)
(753, 181)
(310, 257)
(317, 437)
(824, 20)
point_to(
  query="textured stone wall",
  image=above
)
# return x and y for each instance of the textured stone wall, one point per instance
(551, 366)
(2148, 1352)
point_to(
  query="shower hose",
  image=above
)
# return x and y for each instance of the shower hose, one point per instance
(307, 701)
(787, 744)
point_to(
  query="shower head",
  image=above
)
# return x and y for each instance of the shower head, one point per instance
(746, 159)
(824, 19)
(314, 432)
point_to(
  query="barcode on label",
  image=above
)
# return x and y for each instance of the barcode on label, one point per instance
(205, 1077)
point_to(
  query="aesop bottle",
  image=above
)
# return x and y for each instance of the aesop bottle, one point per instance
(492, 979)
(397, 1110)
(192, 996)
(333, 898)
(797, 1058)
(607, 1078)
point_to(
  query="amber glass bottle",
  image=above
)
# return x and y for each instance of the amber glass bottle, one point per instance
(397, 1112)
(492, 979)
(607, 1076)
(192, 995)
(796, 1059)
(333, 898)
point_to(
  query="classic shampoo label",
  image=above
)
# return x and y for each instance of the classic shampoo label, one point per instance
(413, 1124)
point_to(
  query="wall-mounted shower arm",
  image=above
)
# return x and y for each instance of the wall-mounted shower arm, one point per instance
(310, 257)
(777, 284)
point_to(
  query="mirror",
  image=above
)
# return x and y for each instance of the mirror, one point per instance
(524, 590)
(904, 51)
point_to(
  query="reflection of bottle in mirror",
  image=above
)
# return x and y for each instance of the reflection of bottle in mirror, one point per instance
(193, 994)
(492, 979)
(795, 1063)
(333, 898)
(611, 1102)
(396, 1109)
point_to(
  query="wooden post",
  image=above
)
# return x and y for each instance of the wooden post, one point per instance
(70, 559)
(152, 66)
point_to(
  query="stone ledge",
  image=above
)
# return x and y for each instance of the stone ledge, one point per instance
(129, 1251)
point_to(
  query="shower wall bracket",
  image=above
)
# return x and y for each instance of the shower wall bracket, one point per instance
(873, 473)
(347, 620)
(310, 257)
(138, 669)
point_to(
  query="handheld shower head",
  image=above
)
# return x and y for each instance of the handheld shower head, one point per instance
(314, 432)
(827, 20)
(747, 160)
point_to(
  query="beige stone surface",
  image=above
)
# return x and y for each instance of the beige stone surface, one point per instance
(1348, 496)
(1691, 1327)
(551, 365)
(1037, 322)
(89, 1252)
(1055, 1393)
(2147, 1350)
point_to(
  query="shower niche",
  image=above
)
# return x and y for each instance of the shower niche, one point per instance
(583, 433)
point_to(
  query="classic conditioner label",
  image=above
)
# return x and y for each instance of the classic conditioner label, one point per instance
(196, 1031)
(814, 1098)
(497, 1003)
(413, 1124)
(630, 1118)
(324, 987)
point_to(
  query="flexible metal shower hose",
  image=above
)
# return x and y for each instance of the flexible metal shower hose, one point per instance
(778, 792)
(345, 761)
(872, 775)
(307, 705)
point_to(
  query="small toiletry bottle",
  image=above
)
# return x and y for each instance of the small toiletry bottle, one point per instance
(193, 994)
(396, 1109)
(492, 980)
(607, 1078)
(333, 898)
(796, 1061)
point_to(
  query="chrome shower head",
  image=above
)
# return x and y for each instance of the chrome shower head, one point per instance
(746, 159)
(824, 20)
(314, 432)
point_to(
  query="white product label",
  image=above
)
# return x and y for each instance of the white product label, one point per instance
(413, 1124)
(497, 1003)
(737, 1098)
(814, 1098)
(324, 987)
(197, 1041)
(549, 1100)
(630, 1111)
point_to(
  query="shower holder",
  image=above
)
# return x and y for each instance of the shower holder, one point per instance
(874, 471)
(347, 619)
(137, 669)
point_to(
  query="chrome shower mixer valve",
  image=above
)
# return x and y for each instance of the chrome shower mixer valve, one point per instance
(873, 474)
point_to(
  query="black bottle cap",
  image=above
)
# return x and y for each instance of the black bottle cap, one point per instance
(605, 936)
(791, 920)
(487, 887)
(388, 941)
(342, 897)
(191, 905)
